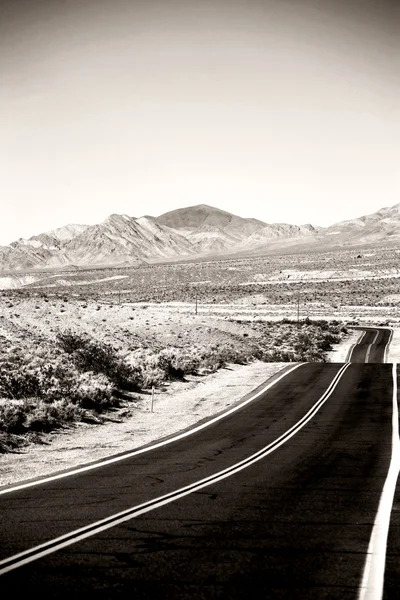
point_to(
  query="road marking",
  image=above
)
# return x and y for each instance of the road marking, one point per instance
(370, 346)
(386, 352)
(356, 344)
(371, 587)
(27, 556)
(179, 436)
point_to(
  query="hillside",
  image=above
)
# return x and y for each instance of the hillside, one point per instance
(383, 225)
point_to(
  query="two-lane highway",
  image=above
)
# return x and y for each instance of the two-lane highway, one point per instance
(275, 499)
(371, 346)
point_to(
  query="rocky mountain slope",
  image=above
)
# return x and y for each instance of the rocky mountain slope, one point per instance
(212, 230)
(383, 225)
(193, 231)
(122, 239)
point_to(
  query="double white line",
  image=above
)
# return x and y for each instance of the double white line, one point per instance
(370, 346)
(23, 558)
(386, 351)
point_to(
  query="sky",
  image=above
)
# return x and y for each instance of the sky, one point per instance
(282, 110)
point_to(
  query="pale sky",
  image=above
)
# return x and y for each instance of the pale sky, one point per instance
(283, 110)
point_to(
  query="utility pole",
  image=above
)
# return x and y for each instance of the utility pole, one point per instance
(195, 310)
(298, 308)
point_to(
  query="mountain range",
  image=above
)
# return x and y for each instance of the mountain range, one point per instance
(195, 231)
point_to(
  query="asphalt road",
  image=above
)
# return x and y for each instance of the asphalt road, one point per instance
(371, 345)
(275, 500)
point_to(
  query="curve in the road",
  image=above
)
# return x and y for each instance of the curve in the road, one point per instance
(54, 545)
(372, 345)
(348, 435)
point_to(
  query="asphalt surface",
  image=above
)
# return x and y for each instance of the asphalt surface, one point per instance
(371, 346)
(294, 524)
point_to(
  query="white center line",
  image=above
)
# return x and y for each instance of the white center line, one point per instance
(374, 571)
(370, 346)
(356, 344)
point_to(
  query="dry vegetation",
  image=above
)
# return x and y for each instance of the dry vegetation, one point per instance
(64, 360)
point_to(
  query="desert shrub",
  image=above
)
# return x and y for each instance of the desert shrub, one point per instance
(188, 360)
(91, 355)
(175, 363)
(12, 416)
(10, 442)
(93, 391)
(56, 381)
(309, 340)
(24, 378)
(146, 363)
(34, 414)
(17, 383)
(43, 417)
(277, 355)
(168, 363)
(152, 376)
(212, 361)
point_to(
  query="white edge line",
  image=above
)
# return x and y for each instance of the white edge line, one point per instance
(118, 518)
(387, 345)
(372, 583)
(109, 461)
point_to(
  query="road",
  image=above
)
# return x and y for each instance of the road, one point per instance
(275, 499)
(371, 345)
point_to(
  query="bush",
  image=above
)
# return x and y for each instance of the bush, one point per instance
(168, 363)
(12, 417)
(90, 355)
(36, 415)
(93, 391)
(15, 384)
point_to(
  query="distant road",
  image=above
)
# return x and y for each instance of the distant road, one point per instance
(371, 346)
(277, 499)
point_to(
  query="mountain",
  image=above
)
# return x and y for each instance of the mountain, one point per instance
(193, 217)
(68, 232)
(39, 251)
(119, 240)
(123, 239)
(194, 231)
(210, 229)
(383, 225)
